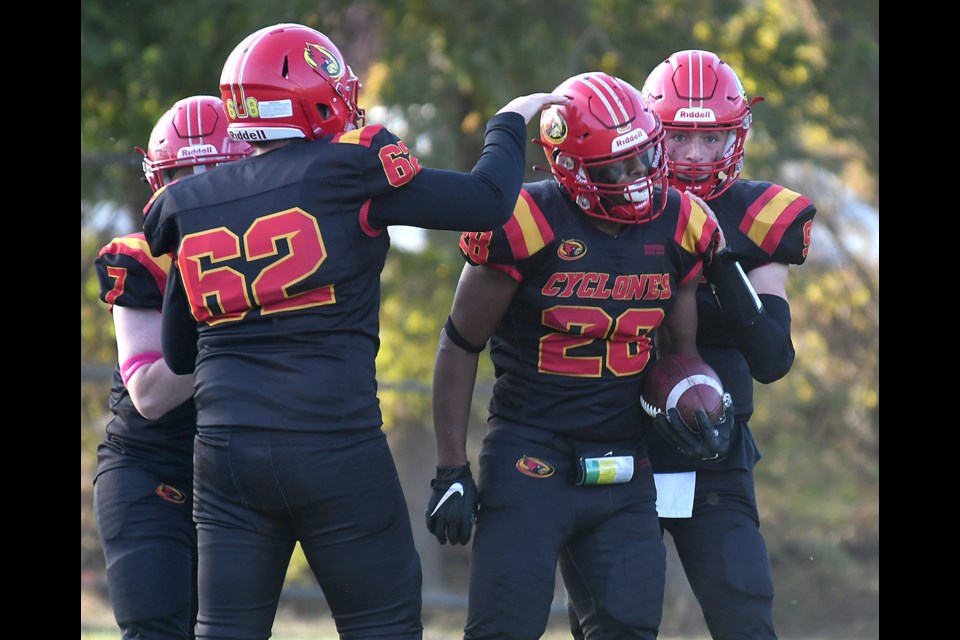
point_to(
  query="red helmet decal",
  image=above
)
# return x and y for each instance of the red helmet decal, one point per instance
(330, 63)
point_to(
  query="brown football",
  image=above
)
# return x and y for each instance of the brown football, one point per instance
(685, 383)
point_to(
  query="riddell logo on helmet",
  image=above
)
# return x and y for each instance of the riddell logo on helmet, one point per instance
(631, 139)
(201, 150)
(247, 135)
(697, 115)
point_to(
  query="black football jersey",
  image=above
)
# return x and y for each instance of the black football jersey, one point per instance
(130, 277)
(571, 348)
(762, 223)
(280, 256)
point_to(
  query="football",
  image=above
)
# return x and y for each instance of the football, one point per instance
(686, 383)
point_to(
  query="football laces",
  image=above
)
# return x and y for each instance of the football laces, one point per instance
(650, 410)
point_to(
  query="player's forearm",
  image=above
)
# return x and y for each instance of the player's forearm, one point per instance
(155, 390)
(454, 377)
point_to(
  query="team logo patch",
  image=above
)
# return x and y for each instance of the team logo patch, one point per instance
(534, 467)
(317, 57)
(170, 494)
(553, 126)
(571, 250)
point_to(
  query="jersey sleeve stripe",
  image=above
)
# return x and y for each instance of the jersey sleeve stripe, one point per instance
(156, 194)
(135, 246)
(695, 272)
(694, 227)
(769, 217)
(527, 230)
(365, 221)
(363, 136)
(508, 269)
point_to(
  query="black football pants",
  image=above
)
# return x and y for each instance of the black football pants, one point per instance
(259, 492)
(608, 536)
(150, 546)
(725, 557)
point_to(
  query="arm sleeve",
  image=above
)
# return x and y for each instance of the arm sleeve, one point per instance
(480, 200)
(766, 345)
(178, 333)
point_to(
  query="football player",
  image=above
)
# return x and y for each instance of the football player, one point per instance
(275, 308)
(568, 292)
(710, 507)
(143, 487)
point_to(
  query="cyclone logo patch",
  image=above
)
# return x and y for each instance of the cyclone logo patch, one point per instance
(534, 467)
(170, 493)
(320, 58)
(553, 127)
(571, 249)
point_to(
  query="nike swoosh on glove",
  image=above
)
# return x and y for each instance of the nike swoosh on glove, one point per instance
(453, 504)
(713, 440)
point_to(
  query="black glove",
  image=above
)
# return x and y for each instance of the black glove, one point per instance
(711, 443)
(453, 505)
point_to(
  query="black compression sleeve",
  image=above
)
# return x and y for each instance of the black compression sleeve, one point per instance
(767, 345)
(732, 289)
(178, 329)
(480, 200)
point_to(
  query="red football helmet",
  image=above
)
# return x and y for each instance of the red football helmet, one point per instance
(594, 139)
(192, 133)
(697, 90)
(289, 81)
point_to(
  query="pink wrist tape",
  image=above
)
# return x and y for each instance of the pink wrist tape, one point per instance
(134, 362)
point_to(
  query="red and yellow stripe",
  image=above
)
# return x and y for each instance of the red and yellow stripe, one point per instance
(770, 215)
(135, 246)
(527, 230)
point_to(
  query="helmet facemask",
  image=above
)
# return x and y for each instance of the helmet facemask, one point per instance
(708, 179)
(605, 148)
(604, 189)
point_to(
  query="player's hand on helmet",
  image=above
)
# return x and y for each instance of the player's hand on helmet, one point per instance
(531, 105)
(713, 440)
(453, 505)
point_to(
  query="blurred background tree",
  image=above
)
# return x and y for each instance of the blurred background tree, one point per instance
(434, 71)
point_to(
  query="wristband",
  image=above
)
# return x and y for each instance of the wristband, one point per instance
(459, 340)
(134, 362)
